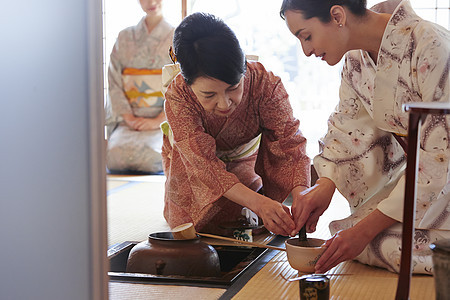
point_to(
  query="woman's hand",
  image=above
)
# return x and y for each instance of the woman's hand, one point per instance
(275, 215)
(130, 120)
(146, 124)
(308, 205)
(143, 124)
(344, 245)
(349, 243)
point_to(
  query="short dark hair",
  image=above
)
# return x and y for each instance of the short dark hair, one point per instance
(321, 8)
(205, 46)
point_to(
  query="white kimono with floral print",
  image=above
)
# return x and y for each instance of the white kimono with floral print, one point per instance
(360, 154)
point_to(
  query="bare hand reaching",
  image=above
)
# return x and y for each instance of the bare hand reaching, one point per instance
(309, 205)
(349, 243)
(344, 245)
(276, 216)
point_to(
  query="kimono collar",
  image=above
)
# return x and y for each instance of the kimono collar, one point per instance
(394, 51)
(161, 30)
(399, 29)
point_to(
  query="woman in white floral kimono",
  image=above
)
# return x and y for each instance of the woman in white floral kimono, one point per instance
(403, 58)
(137, 104)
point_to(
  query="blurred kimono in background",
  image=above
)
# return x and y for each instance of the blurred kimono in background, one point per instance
(134, 77)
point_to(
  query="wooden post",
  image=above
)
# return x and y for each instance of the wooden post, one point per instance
(409, 206)
(418, 113)
(183, 9)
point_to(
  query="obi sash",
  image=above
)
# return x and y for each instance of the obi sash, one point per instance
(143, 87)
(239, 152)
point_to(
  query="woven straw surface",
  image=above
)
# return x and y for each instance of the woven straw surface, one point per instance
(135, 205)
(356, 281)
(132, 291)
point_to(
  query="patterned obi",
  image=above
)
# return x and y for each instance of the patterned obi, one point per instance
(143, 89)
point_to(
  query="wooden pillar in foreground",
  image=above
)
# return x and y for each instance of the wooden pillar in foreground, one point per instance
(183, 9)
(417, 114)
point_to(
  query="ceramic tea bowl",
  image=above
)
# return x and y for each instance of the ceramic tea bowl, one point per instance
(303, 257)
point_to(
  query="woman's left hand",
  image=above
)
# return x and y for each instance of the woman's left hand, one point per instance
(344, 245)
(348, 244)
(145, 124)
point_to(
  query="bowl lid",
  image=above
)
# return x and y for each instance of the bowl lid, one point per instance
(314, 277)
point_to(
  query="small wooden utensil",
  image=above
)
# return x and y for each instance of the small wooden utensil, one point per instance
(187, 231)
(240, 242)
(184, 231)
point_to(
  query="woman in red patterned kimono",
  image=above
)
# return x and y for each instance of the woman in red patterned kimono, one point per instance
(230, 132)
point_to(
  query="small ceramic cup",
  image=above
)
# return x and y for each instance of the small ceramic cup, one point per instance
(302, 258)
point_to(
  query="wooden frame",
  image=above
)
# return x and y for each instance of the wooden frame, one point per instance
(183, 9)
(417, 114)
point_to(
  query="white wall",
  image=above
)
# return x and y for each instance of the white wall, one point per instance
(52, 233)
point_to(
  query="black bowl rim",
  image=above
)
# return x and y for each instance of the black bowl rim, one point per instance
(167, 236)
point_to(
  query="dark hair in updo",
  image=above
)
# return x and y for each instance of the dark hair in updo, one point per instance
(205, 46)
(321, 8)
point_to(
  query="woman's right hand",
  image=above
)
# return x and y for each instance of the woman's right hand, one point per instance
(276, 216)
(309, 205)
(130, 120)
(141, 123)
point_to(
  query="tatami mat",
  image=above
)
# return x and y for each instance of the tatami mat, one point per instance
(355, 281)
(114, 184)
(133, 291)
(135, 209)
